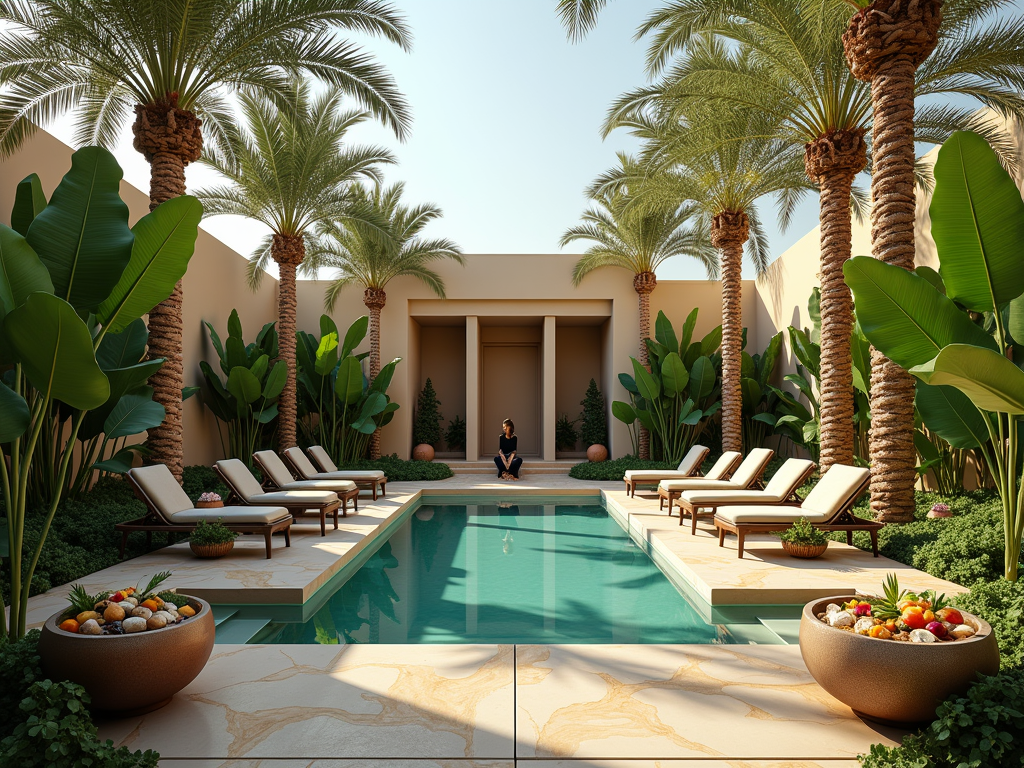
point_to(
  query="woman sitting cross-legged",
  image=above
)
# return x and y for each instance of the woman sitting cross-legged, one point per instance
(506, 461)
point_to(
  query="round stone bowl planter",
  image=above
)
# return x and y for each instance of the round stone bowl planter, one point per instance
(804, 551)
(423, 452)
(97, 662)
(893, 682)
(211, 551)
(597, 453)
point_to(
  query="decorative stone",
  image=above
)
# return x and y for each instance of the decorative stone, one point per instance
(127, 607)
(840, 619)
(142, 611)
(921, 636)
(167, 616)
(863, 625)
(961, 631)
(597, 453)
(423, 452)
(90, 627)
(832, 608)
(156, 621)
(113, 612)
(132, 600)
(134, 624)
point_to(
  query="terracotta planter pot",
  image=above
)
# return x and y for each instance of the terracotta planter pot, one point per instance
(893, 682)
(209, 504)
(179, 650)
(211, 550)
(597, 453)
(805, 551)
(423, 452)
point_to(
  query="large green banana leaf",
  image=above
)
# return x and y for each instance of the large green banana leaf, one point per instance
(991, 381)
(978, 224)
(348, 386)
(14, 415)
(674, 376)
(951, 415)
(134, 413)
(127, 347)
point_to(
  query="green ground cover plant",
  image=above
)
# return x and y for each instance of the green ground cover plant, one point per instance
(399, 470)
(47, 723)
(211, 533)
(615, 469)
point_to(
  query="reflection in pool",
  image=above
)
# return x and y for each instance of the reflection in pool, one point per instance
(515, 573)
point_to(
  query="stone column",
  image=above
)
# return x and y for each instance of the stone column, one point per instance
(472, 388)
(548, 415)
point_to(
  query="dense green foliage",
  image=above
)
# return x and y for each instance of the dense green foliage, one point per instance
(982, 729)
(43, 723)
(426, 427)
(211, 533)
(1001, 604)
(399, 470)
(594, 429)
(566, 433)
(802, 532)
(455, 435)
(615, 469)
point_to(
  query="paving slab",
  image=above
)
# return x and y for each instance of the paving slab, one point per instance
(680, 702)
(371, 702)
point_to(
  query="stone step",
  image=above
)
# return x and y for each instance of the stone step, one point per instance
(530, 467)
(236, 630)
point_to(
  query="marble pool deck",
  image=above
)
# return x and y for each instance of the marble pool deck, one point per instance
(711, 575)
(544, 706)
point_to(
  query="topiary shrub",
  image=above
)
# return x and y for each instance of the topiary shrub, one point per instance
(1001, 604)
(982, 729)
(594, 430)
(426, 428)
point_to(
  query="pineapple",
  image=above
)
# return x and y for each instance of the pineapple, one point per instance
(887, 607)
(81, 600)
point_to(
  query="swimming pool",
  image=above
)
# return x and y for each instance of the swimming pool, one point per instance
(516, 571)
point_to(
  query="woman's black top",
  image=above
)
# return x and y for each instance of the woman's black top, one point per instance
(507, 445)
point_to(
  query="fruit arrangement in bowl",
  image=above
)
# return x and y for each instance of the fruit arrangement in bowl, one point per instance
(125, 611)
(900, 615)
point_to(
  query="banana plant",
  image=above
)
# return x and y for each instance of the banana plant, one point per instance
(676, 399)
(338, 408)
(72, 275)
(928, 327)
(760, 400)
(246, 399)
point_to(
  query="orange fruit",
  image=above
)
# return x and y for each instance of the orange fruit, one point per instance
(186, 610)
(69, 625)
(151, 604)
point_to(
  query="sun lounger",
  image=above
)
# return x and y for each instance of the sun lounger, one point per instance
(781, 489)
(746, 477)
(248, 489)
(277, 477)
(171, 510)
(688, 467)
(827, 507)
(370, 479)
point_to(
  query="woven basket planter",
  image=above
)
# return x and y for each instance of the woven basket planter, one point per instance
(805, 551)
(209, 504)
(212, 550)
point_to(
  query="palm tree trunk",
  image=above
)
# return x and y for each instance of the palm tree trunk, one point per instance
(884, 45)
(374, 299)
(729, 232)
(288, 251)
(170, 139)
(644, 284)
(833, 161)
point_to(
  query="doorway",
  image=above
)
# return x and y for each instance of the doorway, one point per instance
(511, 389)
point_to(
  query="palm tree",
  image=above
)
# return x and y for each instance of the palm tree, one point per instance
(793, 65)
(374, 250)
(720, 169)
(886, 42)
(639, 239)
(170, 62)
(289, 169)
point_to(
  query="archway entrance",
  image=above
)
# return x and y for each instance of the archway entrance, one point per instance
(511, 389)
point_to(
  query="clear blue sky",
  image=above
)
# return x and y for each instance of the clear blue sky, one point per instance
(506, 118)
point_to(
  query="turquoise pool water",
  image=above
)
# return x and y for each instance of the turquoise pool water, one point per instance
(508, 573)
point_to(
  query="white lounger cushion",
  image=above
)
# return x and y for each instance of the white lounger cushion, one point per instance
(751, 467)
(159, 485)
(248, 487)
(332, 471)
(301, 462)
(692, 459)
(725, 462)
(782, 484)
(283, 479)
(767, 513)
(232, 515)
(654, 475)
(699, 484)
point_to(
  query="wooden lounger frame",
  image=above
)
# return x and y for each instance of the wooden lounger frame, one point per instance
(708, 509)
(366, 485)
(670, 496)
(295, 507)
(632, 484)
(842, 520)
(154, 520)
(344, 496)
